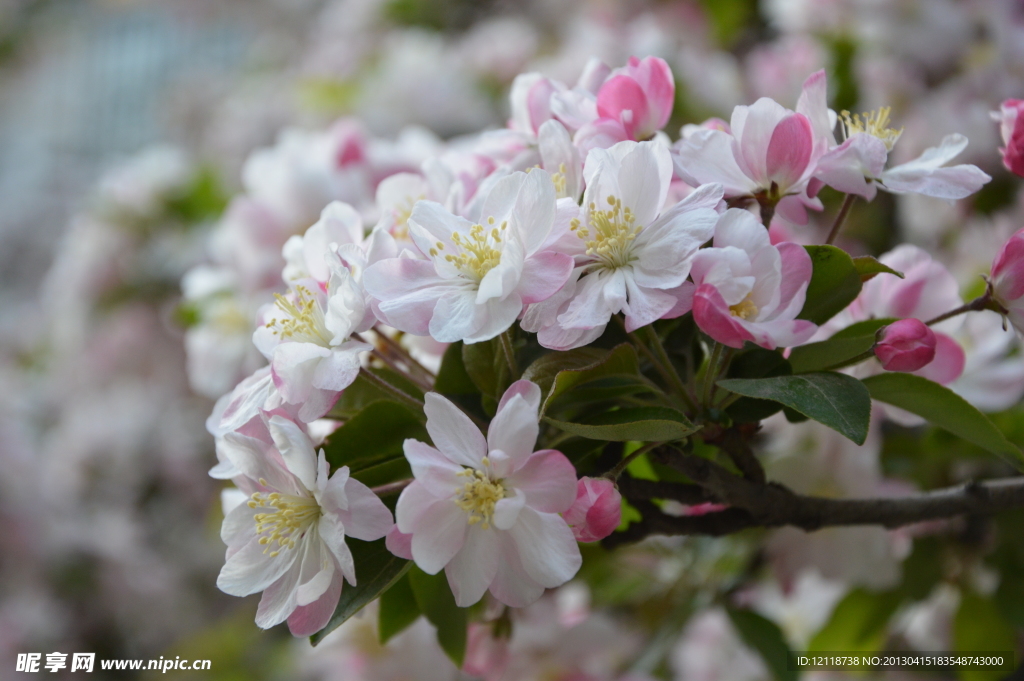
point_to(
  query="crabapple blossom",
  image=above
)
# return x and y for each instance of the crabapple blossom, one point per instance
(748, 289)
(1011, 127)
(769, 152)
(306, 336)
(905, 345)
(288, 539)
(487, 510)
(631, 256)
(476, 278)
(597, 510)
(857, 166)
(1008, 279)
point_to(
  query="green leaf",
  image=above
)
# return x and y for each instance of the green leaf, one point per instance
(373, 436)
(486, 366)
(643, 424)
(978, 626)
(868, 267)
(363, 393)
(858, 623)
(558, 372)
(452, 377)
(839, 401)
(398, 609)
(436, 601)
(835, 283)
(756, 363)
(765, 637)
(945, 409)
(377, 569)
(834, 353)
(868, 327)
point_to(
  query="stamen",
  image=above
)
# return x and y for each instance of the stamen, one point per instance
(479, 252)
(291, 518)
(745, 309)
(305, 321)
(559, 181)
(479, 495)
(874, 123)
(614, 232)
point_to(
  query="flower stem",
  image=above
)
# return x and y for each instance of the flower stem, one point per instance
(844, 210)
(982, 302)
(418, 380)
(387, 387)
(621, 466)
(510, 355)
(405, 355)
(670, 373)
(391, 488)
(711, 373)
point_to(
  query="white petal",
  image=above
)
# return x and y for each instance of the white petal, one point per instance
(473, 568)
(512, 585)
(454, 434)
(440, 533)
(279, 600)
(296, 450)
(546, 547)
(366, 518)
(251, 570)
(432, 469)
(506, 511)
(514, 430)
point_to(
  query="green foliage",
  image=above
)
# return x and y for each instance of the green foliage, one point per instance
(373, 436)
(839, 401)
(452, 377)
(756, 362)
(978, 626)
(644, 424)
(203, 198)
(398, 609)
(435, 600)
(835, 282)
(765, 637)
(487, 368)
(362, 393)
(944, 408)
(559, 372)
(729, 18)
(858, 623)
(869, 268)
(377, 569)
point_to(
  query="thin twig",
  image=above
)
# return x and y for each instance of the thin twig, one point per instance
(615, 472)
(982, 302)
(399, 370)
(394, 390)
(711, 374)
(391, 488)
(510, 355)
(844, 210)
(406, 356)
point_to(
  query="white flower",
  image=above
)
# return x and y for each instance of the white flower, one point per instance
(305, 335)
(288, 539)
(477, 277)
(487, 511)
(630, 255)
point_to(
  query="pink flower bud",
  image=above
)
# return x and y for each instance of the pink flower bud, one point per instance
(1008, 277)
(639, 95)
(597, 510)
(906, 345)
(1011, 125)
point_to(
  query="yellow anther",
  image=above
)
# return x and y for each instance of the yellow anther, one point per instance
(478, 496)
(478, 251)
(558, 179)
(613, 233)
(305, 320)
(291, 518)
(874, 123)
(745, 309)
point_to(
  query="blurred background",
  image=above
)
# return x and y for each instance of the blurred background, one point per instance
(137, 135)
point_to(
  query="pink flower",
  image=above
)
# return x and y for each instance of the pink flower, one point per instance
(1008, 279)
(748, 289)
(487, 510)
(906, 345)
(638, 96)
(597, 510)
(769, 152)
(478, 277)
(288, 539)
(1012, 129)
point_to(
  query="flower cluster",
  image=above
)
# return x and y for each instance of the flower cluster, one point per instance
(579, 239)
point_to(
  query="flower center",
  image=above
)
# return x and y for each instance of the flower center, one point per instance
(305, 320)
(874, 123)
(478, 496)
(745, 309)
(402, 212)
(613, 233)
(291, 518)
(479, 252)
(558, 179)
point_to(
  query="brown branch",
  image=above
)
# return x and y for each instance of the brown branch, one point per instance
(753, 504)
